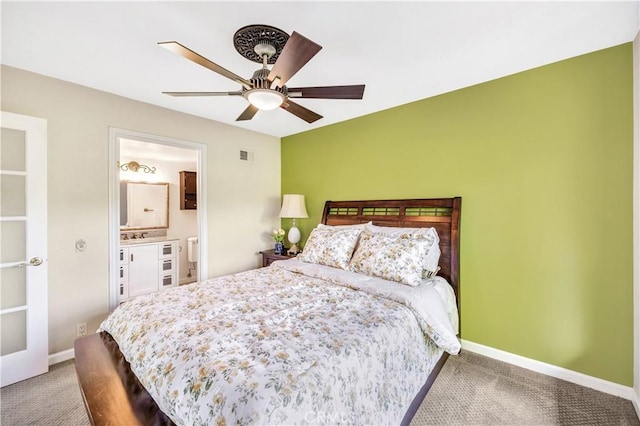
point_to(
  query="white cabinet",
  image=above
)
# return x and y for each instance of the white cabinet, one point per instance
(168, 265)
(143, 269)
(124, 273)
(147, 268)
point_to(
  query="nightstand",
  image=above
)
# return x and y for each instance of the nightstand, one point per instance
(268, 256)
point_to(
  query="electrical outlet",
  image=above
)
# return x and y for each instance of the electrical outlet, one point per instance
(81, 329)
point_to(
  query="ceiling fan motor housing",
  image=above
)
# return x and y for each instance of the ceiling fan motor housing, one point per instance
(259, 80)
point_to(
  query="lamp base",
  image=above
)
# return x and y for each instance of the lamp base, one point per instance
(294, 237)
(294, 250)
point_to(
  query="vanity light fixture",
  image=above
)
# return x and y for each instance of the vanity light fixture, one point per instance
(134, 166)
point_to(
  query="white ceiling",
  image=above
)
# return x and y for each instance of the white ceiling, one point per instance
(402, 51)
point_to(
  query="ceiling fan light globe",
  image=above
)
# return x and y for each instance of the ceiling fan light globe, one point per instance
(265, 99)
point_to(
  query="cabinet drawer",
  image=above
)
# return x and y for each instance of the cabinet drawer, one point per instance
(166, 266)
(268, 257)
(168, 281)
(167, 250)
(124, 256)
(124, 290)
(124, 273)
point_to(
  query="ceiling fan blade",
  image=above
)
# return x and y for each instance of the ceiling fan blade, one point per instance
(300, 111)
(328, 92)
(189, 54)
(248, 113)
(177, 94)
(296, 52)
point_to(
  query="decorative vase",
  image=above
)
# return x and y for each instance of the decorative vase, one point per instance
(279, 248)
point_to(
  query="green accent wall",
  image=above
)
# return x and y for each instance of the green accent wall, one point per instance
(543, 162)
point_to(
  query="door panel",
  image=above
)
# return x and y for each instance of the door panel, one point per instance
(13, 149)
(13, 246)
(13, 199)
(13, 291)
(23, 231)
(14, 332)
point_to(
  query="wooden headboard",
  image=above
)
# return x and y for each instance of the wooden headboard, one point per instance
(443, 214)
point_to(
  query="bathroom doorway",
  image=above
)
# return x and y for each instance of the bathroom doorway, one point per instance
(138, 159)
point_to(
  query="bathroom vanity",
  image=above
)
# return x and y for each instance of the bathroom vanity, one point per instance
(147, 265)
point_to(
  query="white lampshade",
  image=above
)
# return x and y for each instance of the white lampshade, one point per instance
(265, 99)
(293, 206)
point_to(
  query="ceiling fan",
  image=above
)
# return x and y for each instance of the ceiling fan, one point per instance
(267, 89)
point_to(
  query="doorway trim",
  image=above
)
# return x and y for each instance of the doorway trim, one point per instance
(115, 134)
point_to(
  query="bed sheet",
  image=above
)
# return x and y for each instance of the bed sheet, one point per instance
(283, 345)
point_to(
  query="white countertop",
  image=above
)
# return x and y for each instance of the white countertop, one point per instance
(147, 240)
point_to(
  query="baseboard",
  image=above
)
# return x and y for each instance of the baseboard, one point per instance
(636, 403)
(59, 357)
(581, 379)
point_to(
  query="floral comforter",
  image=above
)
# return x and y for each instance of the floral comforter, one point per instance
(293, 343)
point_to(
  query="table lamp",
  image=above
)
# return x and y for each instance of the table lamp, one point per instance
(293, 208)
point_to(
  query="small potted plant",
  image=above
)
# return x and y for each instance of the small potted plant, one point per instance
(278, 237)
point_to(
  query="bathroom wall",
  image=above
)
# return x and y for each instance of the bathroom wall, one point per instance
(182, 223)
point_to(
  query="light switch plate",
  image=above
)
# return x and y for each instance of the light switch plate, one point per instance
(81, 245)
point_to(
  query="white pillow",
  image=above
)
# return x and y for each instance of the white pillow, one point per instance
(432, 257)
(330, 246)
(392, 257)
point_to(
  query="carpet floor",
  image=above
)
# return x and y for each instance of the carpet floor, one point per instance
(475, 390)
(50, 399)
(470, 390)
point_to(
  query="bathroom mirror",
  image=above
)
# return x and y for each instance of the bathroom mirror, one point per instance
(144, 205)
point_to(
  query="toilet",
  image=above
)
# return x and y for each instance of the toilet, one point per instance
(192, 249)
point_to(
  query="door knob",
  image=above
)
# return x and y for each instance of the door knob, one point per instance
(35, 261)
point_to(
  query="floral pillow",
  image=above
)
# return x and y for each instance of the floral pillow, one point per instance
(330, 246)
(392, 257)
(432, 257)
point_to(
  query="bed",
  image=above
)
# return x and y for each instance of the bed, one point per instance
(286, 344)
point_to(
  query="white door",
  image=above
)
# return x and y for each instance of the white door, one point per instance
(24, 337)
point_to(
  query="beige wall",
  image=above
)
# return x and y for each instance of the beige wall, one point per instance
(243, 199)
